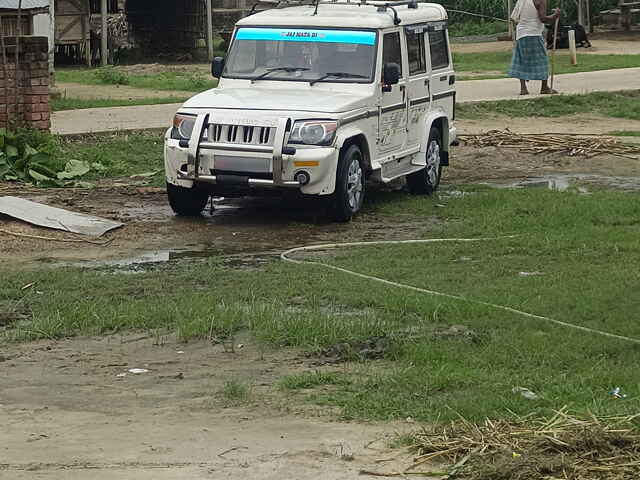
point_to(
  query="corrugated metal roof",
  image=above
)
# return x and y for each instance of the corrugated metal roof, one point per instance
(26, 4)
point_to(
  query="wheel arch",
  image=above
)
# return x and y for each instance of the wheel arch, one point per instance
(441, 122)
(356, 137)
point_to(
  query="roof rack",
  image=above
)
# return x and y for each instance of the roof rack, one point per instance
(381, 6)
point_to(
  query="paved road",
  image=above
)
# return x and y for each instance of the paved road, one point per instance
(160, 116)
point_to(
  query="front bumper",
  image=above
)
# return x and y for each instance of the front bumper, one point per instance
(242, 167)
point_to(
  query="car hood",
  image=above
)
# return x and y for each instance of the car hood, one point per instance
(308, 100)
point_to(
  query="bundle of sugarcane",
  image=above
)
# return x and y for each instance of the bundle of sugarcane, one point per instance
(569, 144)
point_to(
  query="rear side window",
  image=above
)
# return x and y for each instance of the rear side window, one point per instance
(439, 49)
(391, 52)
(416, 53)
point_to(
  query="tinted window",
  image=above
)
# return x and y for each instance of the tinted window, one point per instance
(439, 50)
(416, 53)
(391, 52)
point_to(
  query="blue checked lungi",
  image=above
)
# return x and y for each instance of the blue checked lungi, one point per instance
(529, 61)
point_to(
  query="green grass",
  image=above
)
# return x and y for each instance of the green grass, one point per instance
(235, 392)
(610, 104)
(465, 29)
(60, 104)
(120, 155)
(625, 133)
(185, 81)
(499, 62)
(587, 246)
(312, 379)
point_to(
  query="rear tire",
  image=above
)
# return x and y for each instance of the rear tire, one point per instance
(186, 202)
(349, 193)
(426, 180)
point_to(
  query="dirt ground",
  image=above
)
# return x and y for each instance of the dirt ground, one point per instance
(69, 413)
(70, 410)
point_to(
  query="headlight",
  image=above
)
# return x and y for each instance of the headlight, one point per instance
(183, 126)
(313, 132)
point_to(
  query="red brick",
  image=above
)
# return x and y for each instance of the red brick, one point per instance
(41, 90)
(32, 116)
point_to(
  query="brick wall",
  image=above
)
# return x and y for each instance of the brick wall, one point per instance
(32, 109)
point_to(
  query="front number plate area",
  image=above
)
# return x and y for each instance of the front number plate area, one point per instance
(242, 164)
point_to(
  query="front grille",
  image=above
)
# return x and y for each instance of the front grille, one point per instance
(241, 134)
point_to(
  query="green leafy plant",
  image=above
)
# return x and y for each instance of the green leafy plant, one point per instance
(31, 156)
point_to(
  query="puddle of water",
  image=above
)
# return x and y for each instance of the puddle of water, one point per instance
(558, 183)
(579, 182)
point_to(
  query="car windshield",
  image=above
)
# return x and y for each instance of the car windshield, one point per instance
(311, 55)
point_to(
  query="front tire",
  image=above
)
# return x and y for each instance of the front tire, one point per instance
(349, 193)
(426, 180)
(186, 202)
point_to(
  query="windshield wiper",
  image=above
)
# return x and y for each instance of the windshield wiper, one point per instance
(337, 75)
(278, 69)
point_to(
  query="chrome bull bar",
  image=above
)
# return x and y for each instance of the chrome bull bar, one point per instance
(196, 144)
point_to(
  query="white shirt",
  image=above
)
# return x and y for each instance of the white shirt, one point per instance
(529, 24)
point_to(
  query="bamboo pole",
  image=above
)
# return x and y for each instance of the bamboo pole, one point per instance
(104, 46)
(210, 30)
(17, 72)
(5, 72)
(52, 42)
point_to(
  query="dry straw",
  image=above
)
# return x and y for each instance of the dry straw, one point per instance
(563, 447)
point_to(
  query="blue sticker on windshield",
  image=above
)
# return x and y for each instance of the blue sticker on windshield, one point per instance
(300, 35)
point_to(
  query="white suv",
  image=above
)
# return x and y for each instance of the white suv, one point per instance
(318, 98)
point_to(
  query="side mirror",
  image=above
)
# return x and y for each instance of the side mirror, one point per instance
(217, 66)
(390, 74)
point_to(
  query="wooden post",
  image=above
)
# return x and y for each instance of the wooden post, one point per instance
(104, 46)
(87, 41)
(572, 47)
(509, 10)
(210, 30)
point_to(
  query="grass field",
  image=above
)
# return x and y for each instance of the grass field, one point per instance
(610, 104)
(584, 248)
(60, 104)
(195, 81)
(491, 62)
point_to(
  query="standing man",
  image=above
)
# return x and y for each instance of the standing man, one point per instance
(529, 61)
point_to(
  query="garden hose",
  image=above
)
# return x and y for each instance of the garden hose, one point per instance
(286, 257)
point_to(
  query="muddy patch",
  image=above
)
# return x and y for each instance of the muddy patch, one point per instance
(254, 230)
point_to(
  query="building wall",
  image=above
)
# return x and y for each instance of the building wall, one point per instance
(32, 108)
